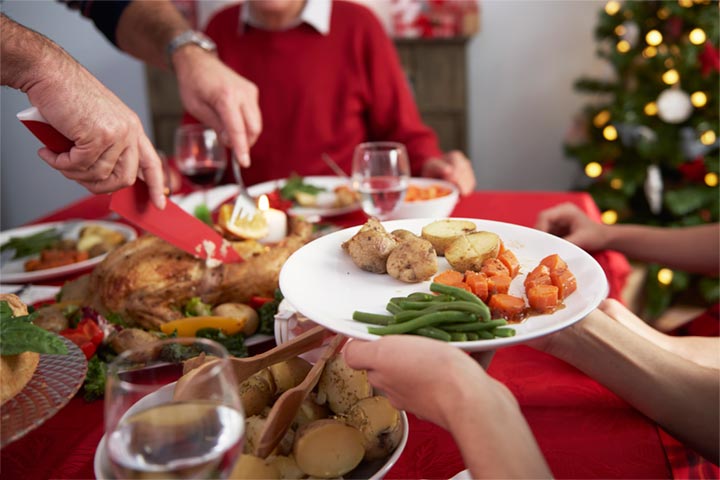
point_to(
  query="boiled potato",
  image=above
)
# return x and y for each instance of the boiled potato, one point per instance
(328, 448)
(413, 260)
(310, 411)
(239, 311)
(468, 252)
(252, 467)
(289, 374)
(341, 386)
(441, 233)
(379, 422)
(287, 466)
(256, 392)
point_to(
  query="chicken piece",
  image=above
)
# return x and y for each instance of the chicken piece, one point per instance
(370, 247)
(413, 260)
(147, 281)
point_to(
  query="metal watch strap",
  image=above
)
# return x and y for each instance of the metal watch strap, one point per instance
(189, 37)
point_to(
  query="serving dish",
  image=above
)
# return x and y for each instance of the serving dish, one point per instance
(322, 282)
(439, 207)
(54, 382)
(13, 270)
(374, 470)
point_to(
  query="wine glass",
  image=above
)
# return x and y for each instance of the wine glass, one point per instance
(200, 156)
(148, 433)
(380, 173)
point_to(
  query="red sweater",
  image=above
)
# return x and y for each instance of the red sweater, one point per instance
(322, 93)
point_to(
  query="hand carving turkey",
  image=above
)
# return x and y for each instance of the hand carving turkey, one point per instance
(147, 281)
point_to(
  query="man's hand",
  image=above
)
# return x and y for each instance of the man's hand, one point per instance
(454, 167)
(219, 98)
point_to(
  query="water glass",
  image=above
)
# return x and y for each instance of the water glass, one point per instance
(150, 434)
(380, 174)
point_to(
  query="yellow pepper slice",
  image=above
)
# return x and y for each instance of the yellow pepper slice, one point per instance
(188, 327)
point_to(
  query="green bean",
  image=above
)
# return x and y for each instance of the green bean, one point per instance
(458, 337)
(410, 305)
(421, 297)
(475, 326)
(461, 294)
(472, 336)
(430, 319)
(405, 315)
(460, 305)
(393, 308)
(485, 335)
(433, 332)
(504, 332)
(374, 318)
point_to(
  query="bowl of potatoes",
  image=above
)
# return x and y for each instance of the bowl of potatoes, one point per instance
(427, 198)
(343, 429)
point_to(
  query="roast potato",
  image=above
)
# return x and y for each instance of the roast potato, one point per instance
(240, 311)
(328, 448)
(413, 260)
(441, 233)
(468, 252)
(256, 393)
(287, 466)
(370, 246)
(310, 411)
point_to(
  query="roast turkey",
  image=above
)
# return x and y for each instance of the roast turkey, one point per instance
(148, 281)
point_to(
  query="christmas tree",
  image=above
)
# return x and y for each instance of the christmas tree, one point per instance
(648, 142)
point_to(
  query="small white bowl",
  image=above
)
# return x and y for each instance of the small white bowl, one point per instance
(439, 207)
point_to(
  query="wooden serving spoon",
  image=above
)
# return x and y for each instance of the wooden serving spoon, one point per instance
(286, 407)
(192, 382)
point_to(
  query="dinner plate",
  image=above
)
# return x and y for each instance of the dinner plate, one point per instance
(54, 382)
(322, 282)
(13, 271)
(326, 182)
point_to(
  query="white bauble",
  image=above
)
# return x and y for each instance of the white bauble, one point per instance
(654, 188)
(632, 33)
(674, 105)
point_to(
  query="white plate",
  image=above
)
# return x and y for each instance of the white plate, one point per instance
(328, 183)
(215, 197)
(14, 270)
(322, 282)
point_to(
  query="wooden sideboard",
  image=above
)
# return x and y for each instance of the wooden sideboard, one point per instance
(436, 70)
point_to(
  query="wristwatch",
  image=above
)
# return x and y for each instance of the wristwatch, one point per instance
(189, 37)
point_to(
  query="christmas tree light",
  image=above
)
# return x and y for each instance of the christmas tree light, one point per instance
(698, 99)
(665, 276)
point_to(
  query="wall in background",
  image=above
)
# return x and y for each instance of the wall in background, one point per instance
(522, 65)
(28, 186)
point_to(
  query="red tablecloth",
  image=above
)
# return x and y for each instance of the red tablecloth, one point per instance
(583, 429)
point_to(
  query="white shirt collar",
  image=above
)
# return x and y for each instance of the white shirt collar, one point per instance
(316, 13)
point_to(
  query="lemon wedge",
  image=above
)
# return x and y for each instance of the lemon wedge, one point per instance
(253, 227)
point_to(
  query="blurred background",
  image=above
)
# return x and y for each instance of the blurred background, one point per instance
(517, 71)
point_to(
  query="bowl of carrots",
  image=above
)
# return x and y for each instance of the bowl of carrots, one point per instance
(427, 198)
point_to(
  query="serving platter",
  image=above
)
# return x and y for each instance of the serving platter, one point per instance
(322, 282)
(13, 270)
(54, 382)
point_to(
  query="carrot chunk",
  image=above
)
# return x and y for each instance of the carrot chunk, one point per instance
(539, 276)
(510, 261)
(478, 283)
(493, 266)
(449, 277)
(506, 306)
(543, 298)
(498, 284)
(565, 281)
(554, 262)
